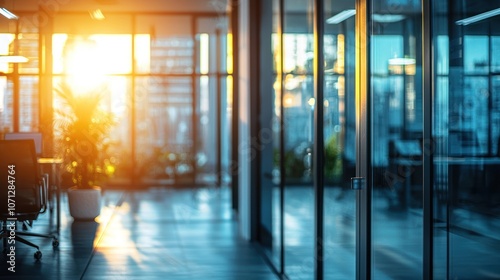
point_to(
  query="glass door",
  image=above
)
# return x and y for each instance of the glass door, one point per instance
(407, 98)
(466, 130)
(339, 133)
(298, 130)
(394, 105)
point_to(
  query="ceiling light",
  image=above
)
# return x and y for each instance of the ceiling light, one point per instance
(340, 17)
(387, 18)
(6, 13)
(476, 18)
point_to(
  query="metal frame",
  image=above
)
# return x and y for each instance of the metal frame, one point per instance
(254, 75)
(235, 106)
(218, 108)
(132, 100)
(318, 148)
(363, 140)
(428, 143)
(15, 83)
(280, 76)
(194, 96)
(194, 16)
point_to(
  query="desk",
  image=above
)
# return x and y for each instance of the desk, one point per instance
(53, 162)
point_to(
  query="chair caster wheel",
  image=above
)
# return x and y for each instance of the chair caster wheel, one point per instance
(38, 255)
(55, 243)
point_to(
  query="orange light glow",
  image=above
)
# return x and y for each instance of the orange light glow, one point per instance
(87, 60)
(82, 64)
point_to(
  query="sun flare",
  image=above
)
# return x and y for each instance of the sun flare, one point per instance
(87, 61)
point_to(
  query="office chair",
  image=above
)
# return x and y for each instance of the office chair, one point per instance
(19, 172)
(37, 137)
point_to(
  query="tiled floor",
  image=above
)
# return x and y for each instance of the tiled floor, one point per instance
(152, 234)
(163, 233)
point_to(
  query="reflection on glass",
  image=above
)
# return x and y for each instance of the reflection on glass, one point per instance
(270, 223)
(466, 136)
(298, 118)
(339, 128)
(495, 54)
(476, 55)
(396, 139)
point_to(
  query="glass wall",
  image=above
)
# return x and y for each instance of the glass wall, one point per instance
(182, 99)
(271, 158)
(287, 213)
(19, 82)
(166, 79)
(396, 120)
(164, 100)
(339, 128)
(298, 133)
(466, 132)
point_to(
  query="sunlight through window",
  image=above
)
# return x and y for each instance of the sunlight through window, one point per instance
(87, 60)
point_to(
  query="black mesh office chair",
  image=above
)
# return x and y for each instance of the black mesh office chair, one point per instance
(23, 192)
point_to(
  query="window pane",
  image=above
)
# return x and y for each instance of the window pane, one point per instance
(164, 129)
(29, 104)
(6, 105)
(164, 44)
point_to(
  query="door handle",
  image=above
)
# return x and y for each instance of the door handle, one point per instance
(358, 183)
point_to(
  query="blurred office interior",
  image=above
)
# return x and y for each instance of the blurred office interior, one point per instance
(326, 139)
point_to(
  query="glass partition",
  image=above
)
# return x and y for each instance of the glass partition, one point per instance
(466, 134)
(339, 128)
(298, 133)
(6, 105)
(271, 153)
(167, 86)
(396, 122)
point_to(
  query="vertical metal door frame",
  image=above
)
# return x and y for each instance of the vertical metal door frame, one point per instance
(318, 148)
(218, 107)
(280, 77)
(194, 95)
(428, 142)
(234, 168)
(363, 141)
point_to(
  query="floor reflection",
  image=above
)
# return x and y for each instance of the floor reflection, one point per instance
(157, 233)
(472, 247)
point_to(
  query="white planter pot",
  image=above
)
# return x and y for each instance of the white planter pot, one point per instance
(84, 204)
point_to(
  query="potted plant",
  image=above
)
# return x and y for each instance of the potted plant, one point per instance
(81, 133)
